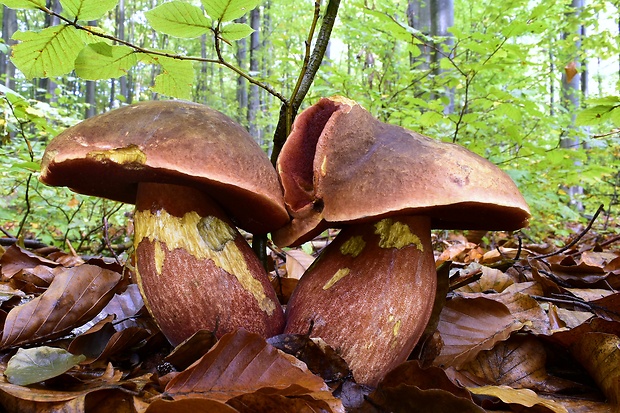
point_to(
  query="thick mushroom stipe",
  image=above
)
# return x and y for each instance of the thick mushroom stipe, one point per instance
(191, 260)
(369, 294)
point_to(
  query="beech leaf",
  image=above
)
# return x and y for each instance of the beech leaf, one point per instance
(37, 364)
(74, 297)
(243, 363)
(485, 322)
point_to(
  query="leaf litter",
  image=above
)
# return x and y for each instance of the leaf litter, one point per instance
(522, 328)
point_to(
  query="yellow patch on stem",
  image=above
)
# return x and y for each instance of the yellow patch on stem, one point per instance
(127, 155)
(324, 166)
(396, 235)
(353, 246)
(340, 274)
(160, 256)
(204, 238)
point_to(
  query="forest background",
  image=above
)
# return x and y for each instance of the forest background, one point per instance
(530, 85)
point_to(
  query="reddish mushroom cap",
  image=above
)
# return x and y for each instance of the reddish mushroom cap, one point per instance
(172, 142)
(341, 165)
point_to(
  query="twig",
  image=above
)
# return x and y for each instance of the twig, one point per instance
(576, 240)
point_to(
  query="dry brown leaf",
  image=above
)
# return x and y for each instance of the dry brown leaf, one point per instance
(297, 262)
(599, 354)
(321, 359)
(469, 326)
(519, 363)
(411, 399)
(74, 297)
(523, 397)
(189, 405)
(242, 363)
(16, 259)
(412, 374)
(491, 280)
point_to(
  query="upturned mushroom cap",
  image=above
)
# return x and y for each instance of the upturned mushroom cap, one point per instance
(341, 165)
(171, 142)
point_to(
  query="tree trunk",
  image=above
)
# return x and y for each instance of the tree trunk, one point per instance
(9, 26)
(254, 98)
(419, 17)
(242, 84)
(570, 96)
(442, 18)
(120, 33)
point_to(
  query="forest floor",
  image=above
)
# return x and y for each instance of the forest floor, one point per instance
(525, 327)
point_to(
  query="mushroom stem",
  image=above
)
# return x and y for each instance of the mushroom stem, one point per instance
(369, 294)
(195, 269)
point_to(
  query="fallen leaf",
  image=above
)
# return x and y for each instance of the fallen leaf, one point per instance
(469, 326)
(242, 363)
(75, 296)
(599, 354)
(321, 359)
(411, 399)
(38, 364)
(519, 363)
(16, 259)
(523, 397)
(297, 262)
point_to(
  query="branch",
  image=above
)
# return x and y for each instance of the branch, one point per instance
(220, 60)
(289, 108)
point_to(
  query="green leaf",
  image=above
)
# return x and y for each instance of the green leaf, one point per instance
(179, 19)
(48, 53)
(227, 10)
(28, 166)
(23, 4)
(593, 115)
(104, 61)
(236, 31)
(37, 364)
(176, 77)
(88, 9)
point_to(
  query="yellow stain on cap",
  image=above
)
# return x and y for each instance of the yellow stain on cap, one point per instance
(396, 235)
(324, 166)
(353, 246)
(128, 155)
(204, 238)
(340, 274)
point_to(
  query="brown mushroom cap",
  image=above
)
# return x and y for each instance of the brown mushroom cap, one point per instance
(171, 142)
(341, 165)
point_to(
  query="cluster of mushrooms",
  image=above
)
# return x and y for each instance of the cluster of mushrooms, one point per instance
(195, 176)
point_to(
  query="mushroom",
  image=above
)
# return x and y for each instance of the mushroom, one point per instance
(370, 293)
(194, 175)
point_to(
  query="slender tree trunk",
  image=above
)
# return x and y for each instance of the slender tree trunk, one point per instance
(571, 93)
(442, 18)
(9, 26)
(419, 17)
(242, 84)
(120, 33)
(254, 98)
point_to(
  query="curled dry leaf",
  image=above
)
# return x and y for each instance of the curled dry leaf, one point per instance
(297, 262)
(518, 362)
(469, 326)
(491, 280)
(523, 397)
(74, 297)
(243, 363)
(411, 399)
(16, 259)
(599, 354)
